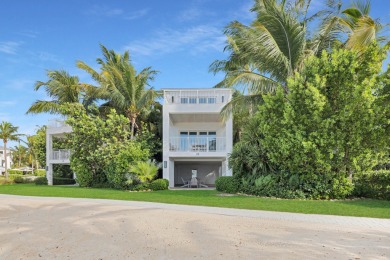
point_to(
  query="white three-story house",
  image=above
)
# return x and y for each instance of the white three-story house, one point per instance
(196, 140)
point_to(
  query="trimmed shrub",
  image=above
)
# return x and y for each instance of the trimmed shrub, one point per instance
(14, 172)
(227, 184)
(373, 184)
(40, 172)
(40, 181)
(63, 181)
(12, 177)
(19, 179)
(141, 187)
(159, 184)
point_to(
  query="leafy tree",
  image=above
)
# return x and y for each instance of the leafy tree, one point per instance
(62, 88)
(101, 149)
(263, 55)
(8, 132)
(37, 145)
(333, 123)
(121, 86)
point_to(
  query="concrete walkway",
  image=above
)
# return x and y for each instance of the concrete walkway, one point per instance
(65, 228)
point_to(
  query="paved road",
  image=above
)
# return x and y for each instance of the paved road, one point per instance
(63, 228)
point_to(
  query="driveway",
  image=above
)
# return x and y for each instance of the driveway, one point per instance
(63, 228)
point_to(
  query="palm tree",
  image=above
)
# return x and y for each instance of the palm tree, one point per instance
(8, 132)
(264, 54)
(121, 86)
(360, 27)
(62, 88)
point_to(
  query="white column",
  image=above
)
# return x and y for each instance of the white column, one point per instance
(49, 174)
(171, 173)
(229, 144)
(49, 151)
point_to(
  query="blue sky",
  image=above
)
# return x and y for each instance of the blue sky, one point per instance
(178, 38)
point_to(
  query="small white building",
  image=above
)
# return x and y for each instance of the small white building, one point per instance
(58, 129)
(2, 159)
(196, 140)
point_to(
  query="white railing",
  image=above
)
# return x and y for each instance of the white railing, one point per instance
(209, 96)
(197, 144)
(54, 123)
(60, 154)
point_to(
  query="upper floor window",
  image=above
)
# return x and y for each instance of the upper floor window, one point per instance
(184, 100)
(212, 100)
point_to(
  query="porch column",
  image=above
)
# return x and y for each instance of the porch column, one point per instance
(49, 151)
(171, 173)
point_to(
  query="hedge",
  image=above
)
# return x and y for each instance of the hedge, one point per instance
(40, 181)
(373, 184)
(40, 172)
(159, 184)
(63, 181)
(227, 184)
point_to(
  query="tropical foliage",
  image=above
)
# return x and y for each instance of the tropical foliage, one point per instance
(8, 132)
(264, 54)
(102, 150)
(121, 86)
(62, 88)
(329, 126)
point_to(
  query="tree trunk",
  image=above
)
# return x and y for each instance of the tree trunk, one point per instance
(5, 160)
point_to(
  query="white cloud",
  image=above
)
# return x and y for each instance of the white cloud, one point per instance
(193, 13)
(9, 47)
(136, 14)
(196, 39)
(20, 84)
(103, 10)
(7, 103)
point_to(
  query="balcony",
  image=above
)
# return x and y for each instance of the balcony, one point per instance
(197, 144)
(60, 155)
(207, 96)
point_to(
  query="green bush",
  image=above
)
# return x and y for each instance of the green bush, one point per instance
(63, 181)
(12, 177)
(227, 184)
(159, 184)
(373, 184)
(14, 172)
(141, 187)
(40, 181)
(19, 179)
(40, 172)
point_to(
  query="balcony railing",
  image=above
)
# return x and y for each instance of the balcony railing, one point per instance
(55, 123)
(212, 96)
(197, 144)
(61, 154)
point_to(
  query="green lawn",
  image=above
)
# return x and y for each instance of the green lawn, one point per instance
(360, 207)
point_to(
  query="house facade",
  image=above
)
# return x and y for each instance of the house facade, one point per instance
(2, 159)
(56, 129)
(196, 140)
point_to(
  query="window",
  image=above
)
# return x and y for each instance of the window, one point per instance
(192, 100)
(223, 99)
(202, 100)
(212, 100)
(184, 100)
(173, 99)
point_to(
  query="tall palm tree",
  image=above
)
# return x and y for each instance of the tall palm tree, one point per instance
(62, 88)
(121, 86)
(264, 54)
(8, 132)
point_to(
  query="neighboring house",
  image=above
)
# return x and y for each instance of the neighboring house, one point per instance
(55, 129)
(196, 140)
(2, 159)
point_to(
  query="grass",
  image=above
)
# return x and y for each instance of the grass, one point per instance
(358, 207)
